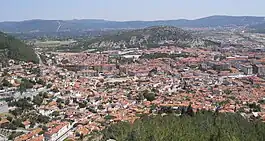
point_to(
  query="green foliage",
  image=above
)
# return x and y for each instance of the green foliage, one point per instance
(82, 104)
(109, 117)
(254, 107)
(227, 91)
(18, 123)
(17, 50)
(203, 126)
(22, 103)
(55, 113)
(41, 132)
(43, 119)
(37, 100)
(6, 83)
(25, 84)
(9, 118)
(49, 85)
(150, 96)
(14, 135)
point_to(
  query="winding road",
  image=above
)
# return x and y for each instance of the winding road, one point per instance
(40, 61)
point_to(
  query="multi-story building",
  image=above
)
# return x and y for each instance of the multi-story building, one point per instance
(247, 69)
(57, 131)
(259, 69)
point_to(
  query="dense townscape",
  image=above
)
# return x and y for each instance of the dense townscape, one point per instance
(75, 95)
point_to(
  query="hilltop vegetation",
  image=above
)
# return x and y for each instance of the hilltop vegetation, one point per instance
(13, 48)
(203, 126)
(147, 38)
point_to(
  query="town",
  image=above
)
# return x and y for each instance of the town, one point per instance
(132, 70)
(71, 95)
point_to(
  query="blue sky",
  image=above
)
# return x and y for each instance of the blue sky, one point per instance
(122, 10)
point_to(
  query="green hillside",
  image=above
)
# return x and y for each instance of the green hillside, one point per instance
(154, 36)
(15, 49)
(200, 127)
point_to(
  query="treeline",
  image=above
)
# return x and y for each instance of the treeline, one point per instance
(203, 126)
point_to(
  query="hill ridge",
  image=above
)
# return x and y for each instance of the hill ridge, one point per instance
(86, 24)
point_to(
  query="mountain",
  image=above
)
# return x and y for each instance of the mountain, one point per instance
(154, 36)
(94, 24)
(12, 48)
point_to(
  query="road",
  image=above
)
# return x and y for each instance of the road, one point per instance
(40, 61)
(18, 130)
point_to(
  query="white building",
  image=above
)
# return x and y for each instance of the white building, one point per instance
(58, 132)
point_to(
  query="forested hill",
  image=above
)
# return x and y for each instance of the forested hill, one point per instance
(12, 48)
(205, 126)
(154, 36)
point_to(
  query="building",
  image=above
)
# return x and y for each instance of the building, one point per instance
(259, 69)
(218, 65)
(3, 107)
(57, 131)
(31, 136)
(87, 73)
(247, 69)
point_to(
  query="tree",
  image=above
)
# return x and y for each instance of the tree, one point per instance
(9, 118)
(227, 91)
(190, 111)
(49, 85)
(150, 96)
(43, 119)
(18, 123)
(41, 82)
(59, 100)
(37, 100)
(6, 83)
(67, 102)
(82, 104)
(55, 113)
(22, 88)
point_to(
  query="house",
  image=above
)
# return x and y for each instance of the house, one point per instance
(46, 111)
(3, 107)
(82, 131)
(57, 131)
(26, 124)
(29, 136)
(3, 123)
(37, 138)
(87, 73)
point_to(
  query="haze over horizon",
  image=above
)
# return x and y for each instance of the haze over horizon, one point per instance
(130, 10)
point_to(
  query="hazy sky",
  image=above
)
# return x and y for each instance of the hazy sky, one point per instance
(17, 10)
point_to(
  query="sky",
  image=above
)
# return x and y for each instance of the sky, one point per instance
(124, 10)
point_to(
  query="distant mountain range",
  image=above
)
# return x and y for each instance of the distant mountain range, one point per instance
(92, 24)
